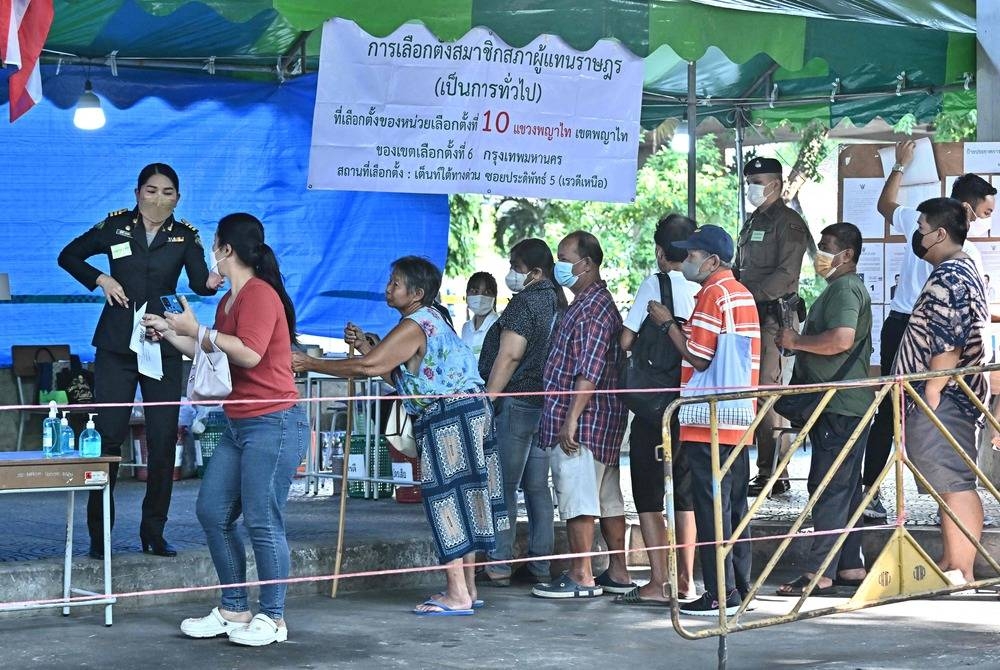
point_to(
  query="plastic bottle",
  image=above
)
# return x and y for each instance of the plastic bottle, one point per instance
(90, 440)
(50, 432)
(67, 440)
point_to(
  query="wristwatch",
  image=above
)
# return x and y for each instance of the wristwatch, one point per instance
(665, 328)
(899, 167)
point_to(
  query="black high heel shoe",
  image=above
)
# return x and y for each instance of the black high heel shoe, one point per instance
(157, 546)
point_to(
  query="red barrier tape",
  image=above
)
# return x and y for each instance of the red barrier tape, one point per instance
(429, 568)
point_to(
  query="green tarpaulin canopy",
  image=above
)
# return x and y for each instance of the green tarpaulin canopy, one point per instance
(792, 54)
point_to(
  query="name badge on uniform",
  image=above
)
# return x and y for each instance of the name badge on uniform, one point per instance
(121, 250)
(757, 236)
(175, 239)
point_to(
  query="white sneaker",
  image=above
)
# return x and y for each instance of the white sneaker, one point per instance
(210, 626)
(262, 630)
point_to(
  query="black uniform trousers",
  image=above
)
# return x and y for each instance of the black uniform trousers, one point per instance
(115, 379)
(881, 436)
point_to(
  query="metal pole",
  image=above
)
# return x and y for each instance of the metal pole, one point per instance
(343, 481)
(739, 166)
(692, 121)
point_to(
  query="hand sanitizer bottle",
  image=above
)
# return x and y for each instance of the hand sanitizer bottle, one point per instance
(90, 440)
(50, 432)
(67, 440)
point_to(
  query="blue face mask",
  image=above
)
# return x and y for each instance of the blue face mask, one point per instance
(564, 273)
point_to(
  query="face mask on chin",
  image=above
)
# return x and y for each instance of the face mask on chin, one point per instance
(156, 208)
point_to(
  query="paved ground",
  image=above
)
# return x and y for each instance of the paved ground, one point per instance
(34, 529)
(376, 630)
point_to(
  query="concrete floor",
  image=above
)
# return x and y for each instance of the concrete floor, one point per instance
(514, 630)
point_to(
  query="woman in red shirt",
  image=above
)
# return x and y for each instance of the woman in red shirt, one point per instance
(252, 468)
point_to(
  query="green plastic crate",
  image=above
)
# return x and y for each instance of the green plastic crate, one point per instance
(380, 466)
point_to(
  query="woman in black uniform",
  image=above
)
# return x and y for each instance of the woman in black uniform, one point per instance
(146, 249)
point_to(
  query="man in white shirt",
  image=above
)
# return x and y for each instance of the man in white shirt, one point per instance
(978, 200)
(647, 472)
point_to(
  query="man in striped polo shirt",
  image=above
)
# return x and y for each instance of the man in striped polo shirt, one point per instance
(709, 263)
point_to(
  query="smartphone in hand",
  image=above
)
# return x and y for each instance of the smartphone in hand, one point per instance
(171, 304)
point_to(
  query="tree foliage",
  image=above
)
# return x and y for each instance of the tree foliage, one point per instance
(466, 220)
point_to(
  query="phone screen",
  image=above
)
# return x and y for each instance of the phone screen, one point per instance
(171, 304)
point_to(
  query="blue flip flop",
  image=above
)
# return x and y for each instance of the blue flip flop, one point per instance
(443, 610)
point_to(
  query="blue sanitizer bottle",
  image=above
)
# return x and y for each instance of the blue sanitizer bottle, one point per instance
(90, 440)
(67, 440)
(50, 432)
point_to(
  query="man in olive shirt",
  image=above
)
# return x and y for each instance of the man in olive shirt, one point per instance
(768, 260)
(835, 345)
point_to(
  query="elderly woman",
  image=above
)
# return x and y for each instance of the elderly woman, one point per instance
(461, 482)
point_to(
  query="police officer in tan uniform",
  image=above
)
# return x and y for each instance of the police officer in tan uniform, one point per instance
(145, 249)
(769, 254)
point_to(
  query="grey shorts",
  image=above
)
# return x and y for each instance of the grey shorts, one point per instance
(932, 454)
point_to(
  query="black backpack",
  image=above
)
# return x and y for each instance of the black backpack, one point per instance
(655, 363)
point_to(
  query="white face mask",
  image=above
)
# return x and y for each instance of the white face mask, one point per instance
(755, 194)
(515, 280)
(216, 261)
(480, 305)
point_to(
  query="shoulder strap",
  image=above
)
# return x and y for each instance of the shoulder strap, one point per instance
(666, 290)
(846, 365)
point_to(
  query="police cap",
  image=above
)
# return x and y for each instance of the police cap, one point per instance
(762, 166)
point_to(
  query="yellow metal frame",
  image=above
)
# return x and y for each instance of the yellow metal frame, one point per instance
(901, 549)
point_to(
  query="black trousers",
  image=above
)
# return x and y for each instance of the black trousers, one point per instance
(733, 490)
(880, 437)
(115, 379)
(841, 496)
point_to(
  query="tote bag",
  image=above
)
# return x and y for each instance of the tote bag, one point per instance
(210, 379)
(729, 368)
(399, 430)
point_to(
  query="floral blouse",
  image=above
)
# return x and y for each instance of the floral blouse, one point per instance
(449, 366)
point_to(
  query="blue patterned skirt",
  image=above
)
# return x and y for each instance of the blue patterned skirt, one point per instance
(461, 481)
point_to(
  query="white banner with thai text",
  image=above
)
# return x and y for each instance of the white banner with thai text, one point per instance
(408, 113)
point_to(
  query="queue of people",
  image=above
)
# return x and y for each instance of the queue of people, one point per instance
(531, 393)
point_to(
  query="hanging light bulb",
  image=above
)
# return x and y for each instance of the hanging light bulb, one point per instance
(88, 114)
(681, 140)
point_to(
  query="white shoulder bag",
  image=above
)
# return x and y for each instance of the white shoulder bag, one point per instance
(210, 379)
(399, 431)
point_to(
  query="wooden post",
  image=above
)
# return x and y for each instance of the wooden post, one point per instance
(343, 481)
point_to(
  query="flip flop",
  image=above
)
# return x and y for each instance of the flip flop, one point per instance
(799, 584)
(476, 604)
(633, 598)
(443, 610)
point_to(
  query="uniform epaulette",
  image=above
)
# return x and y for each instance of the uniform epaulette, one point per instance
(118, 211)
(187, 224)
(100, 224)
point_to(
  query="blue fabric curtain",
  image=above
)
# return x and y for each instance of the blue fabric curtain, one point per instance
(236, 146)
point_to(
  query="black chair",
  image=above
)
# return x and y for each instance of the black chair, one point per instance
(24, 357)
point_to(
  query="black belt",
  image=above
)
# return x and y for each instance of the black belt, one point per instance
(902, 316)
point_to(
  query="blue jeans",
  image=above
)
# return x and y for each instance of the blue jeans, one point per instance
(525, 463)
(250, 474)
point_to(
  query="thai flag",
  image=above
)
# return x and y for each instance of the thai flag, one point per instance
(24, 25)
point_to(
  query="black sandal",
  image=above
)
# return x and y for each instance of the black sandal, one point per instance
(797, 587)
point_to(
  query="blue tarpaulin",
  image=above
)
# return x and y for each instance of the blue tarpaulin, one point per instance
(236, 146)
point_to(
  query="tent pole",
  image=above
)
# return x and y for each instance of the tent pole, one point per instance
(692, 121)
(740, 166)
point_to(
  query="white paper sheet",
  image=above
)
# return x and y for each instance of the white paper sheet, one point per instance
(982, 156)
(149, 361)
(138, 330)
(990, 251)
(860, 198)
(878, 316)
(911, 196)
(871, 267)
(923, 168)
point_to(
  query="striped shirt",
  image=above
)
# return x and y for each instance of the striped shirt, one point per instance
(951, 313)
(585, 344)
(719, 293)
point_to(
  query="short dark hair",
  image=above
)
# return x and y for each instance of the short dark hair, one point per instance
(587, 246)
(847, 235)
(487, 280)
(673, 227)
(419, 273)
(163, 169)
(971, 189)
(946, 213)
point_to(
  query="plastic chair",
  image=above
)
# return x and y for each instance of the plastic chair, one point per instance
(23, 358)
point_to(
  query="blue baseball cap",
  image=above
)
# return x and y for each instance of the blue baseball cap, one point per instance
(711, 239)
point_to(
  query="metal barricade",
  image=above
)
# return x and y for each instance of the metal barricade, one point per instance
(903, 570)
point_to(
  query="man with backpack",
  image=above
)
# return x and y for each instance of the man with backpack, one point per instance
(658, 361)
